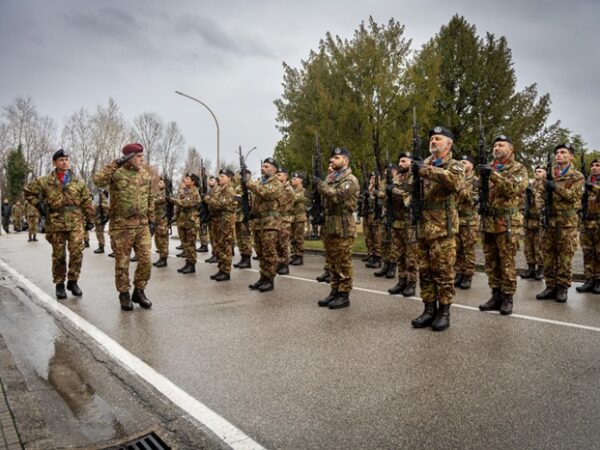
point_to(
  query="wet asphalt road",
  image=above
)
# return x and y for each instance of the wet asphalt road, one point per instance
(293, 375)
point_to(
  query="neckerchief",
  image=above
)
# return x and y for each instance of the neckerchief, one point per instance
(63, 177)
(560, 173)
(265, 179)
(335, 175)
(595, 179)
(498, 166)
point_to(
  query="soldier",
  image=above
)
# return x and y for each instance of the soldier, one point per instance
(325, 277)
(299, 205)
(502, 223)
(590, 232)
(242, 230)
(6, 213)
(266, 222)
(388, 268)
(17, 216)
(286, 205)
(102, 209)
(161, 236)
(187, 203)
(372, 224)
(222, 205)
(70, 207)
(533, 227)
(132, 221)
(340, 195)
(33, 217)
(442, 177)
(403, 234)
(468, 226)
(213, 184)
(560, 234)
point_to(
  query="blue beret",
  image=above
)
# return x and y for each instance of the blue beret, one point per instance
(340, 151)
(60, 153)
(441, 130)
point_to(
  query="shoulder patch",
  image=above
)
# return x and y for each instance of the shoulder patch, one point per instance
(456, 168)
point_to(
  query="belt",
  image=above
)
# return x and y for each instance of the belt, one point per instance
(501, 212)
(263, 214)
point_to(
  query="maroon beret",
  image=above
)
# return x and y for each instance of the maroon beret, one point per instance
(133, 148)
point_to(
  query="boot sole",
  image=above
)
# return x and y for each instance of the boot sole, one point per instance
(422, 325)
(344, 305)
(440, 328)
(127, 308)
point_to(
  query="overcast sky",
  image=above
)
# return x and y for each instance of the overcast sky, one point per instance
(68, 54)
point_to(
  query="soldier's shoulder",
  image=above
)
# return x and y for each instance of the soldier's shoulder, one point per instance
(455, 167)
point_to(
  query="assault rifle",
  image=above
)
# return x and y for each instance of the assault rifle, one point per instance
(244, 184)
(204, 211)
(170, 207)
(548, 206)
(389, 198)
(528, 201)
(586, 193)
(378, 213)
(102, 217)
(316, 208)
(417, 188)
(363, 202)
(484, 185)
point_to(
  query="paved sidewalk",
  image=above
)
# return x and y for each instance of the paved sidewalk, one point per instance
(9, 438)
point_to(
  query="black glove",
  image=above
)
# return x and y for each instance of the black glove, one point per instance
(152, 226)
(123, 159)
(589, 186)
(417, 164)
(485, 170)
(389, 189)
(89, 226)
(550, 185)
(316, 180)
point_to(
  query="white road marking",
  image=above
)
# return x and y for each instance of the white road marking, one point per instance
(224, 430)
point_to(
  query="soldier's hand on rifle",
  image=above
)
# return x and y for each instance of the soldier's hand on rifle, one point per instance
(152, 226)
(589, 186)
(317, 180)
(389, 189)
(41, 208)
(417, 164)
(123, 159)
(484, 170)
(89, 226)
(550, 185)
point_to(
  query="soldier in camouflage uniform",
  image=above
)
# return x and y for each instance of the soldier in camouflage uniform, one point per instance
(468, 227)
(533, 227)
(590, 232)
(242, 229)
(286, 205)
(33, 217)
(298, 219)
(70, 207)
(266, 222)
(388, 249)
(442, 177)
(132, 221)
(222, 205)
(213, 185)
(161, 236)
(102, 209)
(502, 224)
(187, 202)
(560, 235)
(372, 225)
(403, 233)
(325, 277)
(17, 216)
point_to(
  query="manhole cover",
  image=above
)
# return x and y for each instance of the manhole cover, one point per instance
(147, 442)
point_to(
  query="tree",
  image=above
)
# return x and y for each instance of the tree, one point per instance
(17, 171)
(78, 143)
(148, 129)
(171, 149)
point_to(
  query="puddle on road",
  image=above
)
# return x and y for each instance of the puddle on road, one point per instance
(47, 361)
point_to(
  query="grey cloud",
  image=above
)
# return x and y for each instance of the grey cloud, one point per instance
(111, 22)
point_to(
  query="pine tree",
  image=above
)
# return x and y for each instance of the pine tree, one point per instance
(16, 173)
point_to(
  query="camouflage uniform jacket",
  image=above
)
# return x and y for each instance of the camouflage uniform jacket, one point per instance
(188, 202)
(286, 202)
(532, 218)
(340, 196)
(160, 205)
(441, 183)
(31, 211)
(566, 198)
(102, 211)
(222, 202)
(69, 205)
(375, 205)
(131, 196)
(265, 203)
(402, 194)
(592, 222)
(299, 205)
(467, 200)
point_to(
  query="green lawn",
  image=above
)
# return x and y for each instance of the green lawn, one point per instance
(359, 244)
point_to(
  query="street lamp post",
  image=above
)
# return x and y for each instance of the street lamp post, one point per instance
(216, 123)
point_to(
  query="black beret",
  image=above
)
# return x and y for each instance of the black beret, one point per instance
(282, 170)
(246, 172)
(539, 166)
(594, 161)
(468, 158)
(60, 153)
(393, 166)
(567, 146)
(340, 151)
(405, 155)
(298, 175)
(272, 162)
(195, 178)
(441, 130)
(503, 138)
(227, 172)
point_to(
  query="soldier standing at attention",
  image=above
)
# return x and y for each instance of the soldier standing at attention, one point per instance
(372, 225)
(533, 227)
(340, 196)
(70, 207)
(187, 203)
(325, 277)
(17, 216)
(590, 232)
(502, 224)
(222, 205)
(131, 221)
(298, 219)
(33, 217)
(161, 236)
(213, 185)
(286, 205)
(242, 229)
(560, 234)
(102, 209)
(266, 222)
(442, 177)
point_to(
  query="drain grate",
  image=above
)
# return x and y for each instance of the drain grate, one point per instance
(148, 442)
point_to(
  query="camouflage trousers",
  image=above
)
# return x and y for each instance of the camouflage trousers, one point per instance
(436, 269)
(99, 228)
(465, 249)
(500, 251)
(224, 244)
(32, 226)
(61, 241)
(265, 244)
(212, 234)
(590, 244)
(17, 223)
(405, 253)
(373, 236)
(533, 246)
(161, 237)
(559, 246)
(188, 242)
(387, 244)
(298, 238)
(338, 256)
(122, 241)
(203, 233)
(283, 244)
(243, 237)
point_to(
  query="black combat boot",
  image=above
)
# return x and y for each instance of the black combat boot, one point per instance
(442, 319)
(547, 294)
(284, 269)
(111, 255)
(381, 272)
(366, 258)
(202, 249)
(134, 258)
(596, 286)
(179, 247)
(180, 255)
(162, 262)
(297, 260)
(72, 286)
(212, 277)
(410, 289)
(342, 300)
(428, 316)
(188, 268)
(223, 276)
(325, 277)
(100, 249)
(212, 260)
(391, 272)
(529, 273)
(457, 279)
(125, 300)
(245, 262)
(398, 288)
(140, 298)
(375, 263)
(256, 285)
(60, 291)
(86, 244)
(327, 300)
(588, 286)
(561, 294)
(494, 303)
(268, 285)
(539, 273)
(29, 239)
(507, 304)
(465, 283)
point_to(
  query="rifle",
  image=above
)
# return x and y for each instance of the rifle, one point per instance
(484, 185)
(378, 213)
(389, 199)
(101, 216)
(528, 199)
(363, 202)
(417, 191)
(204, 211)
(316, 209)
(548, 203)
(586, 194)
(245, 193)
(170, 208)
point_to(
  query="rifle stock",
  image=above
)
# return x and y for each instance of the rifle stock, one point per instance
(245, 192)
(316, 210)
(484, 185)
(417, 192)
